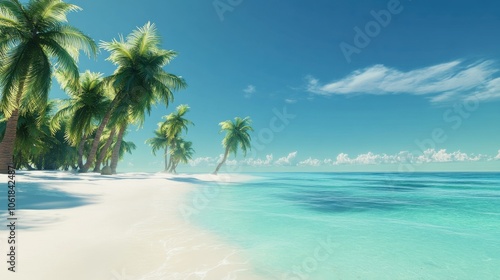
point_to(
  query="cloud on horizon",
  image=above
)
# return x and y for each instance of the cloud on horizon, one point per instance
(288, 160)
(403, 157)
(440, 83)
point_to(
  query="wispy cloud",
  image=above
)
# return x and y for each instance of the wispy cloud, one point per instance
(249, 91)
(498, 156)
(290, 101)
(442, 82)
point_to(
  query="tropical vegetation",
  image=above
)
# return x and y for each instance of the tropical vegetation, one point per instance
(86, 131)
(237, 137)
(35, 38)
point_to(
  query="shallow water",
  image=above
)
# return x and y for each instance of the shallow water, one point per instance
(362, 225)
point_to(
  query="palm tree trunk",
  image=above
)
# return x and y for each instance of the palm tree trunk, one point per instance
(9, 139)
(166, 159)
(226, 153)
(95, 143)
(116, 150)
(104, 150)
(80, 151)
(171, 162)
(174, 166)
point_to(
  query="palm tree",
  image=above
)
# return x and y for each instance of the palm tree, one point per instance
(160, 141)
(87, 105)
(36, 146)
(32, 136)
(168, 131)
(237, 136)
(140, 80)
(173, 126)
(33, 37)
(125, 147)
(182, 151)
(103, 150)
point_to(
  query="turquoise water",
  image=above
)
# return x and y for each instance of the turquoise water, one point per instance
(363, 225)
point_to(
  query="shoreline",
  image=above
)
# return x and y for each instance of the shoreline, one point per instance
(129, 227)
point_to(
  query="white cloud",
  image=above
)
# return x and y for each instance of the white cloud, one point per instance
(403, 157)
(310, 162)
(428, 156)
(290, 101)
(491, 90)
(249, 91)
(441, 82)
(368, 159)
(288, 160)
(204, 161)
(258, 162)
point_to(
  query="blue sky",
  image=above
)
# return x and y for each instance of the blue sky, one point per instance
(330, 85)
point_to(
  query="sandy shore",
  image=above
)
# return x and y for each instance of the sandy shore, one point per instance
(130, 227)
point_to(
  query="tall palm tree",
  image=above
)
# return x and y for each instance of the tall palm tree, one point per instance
(140, 80)
(34, 36)
(92, 154)
(237, 136)
(87, 105)
(173, 126)
(160, 141)
(182, 152)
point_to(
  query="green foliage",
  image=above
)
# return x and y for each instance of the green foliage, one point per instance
(182, 152)
(140, 80)
(32, 37)
(237, 134)
(36, 147)
(160, 141)
(86, 106)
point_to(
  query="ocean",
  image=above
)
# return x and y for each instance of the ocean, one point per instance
(361, 225)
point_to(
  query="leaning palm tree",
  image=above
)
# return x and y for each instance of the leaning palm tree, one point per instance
(237, 136)
(140, 80)
(103, 148)
(87, 105)
(173, 126)
(160, 141)
(34, 37)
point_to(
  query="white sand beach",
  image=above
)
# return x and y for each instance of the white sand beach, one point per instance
(128, 227)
